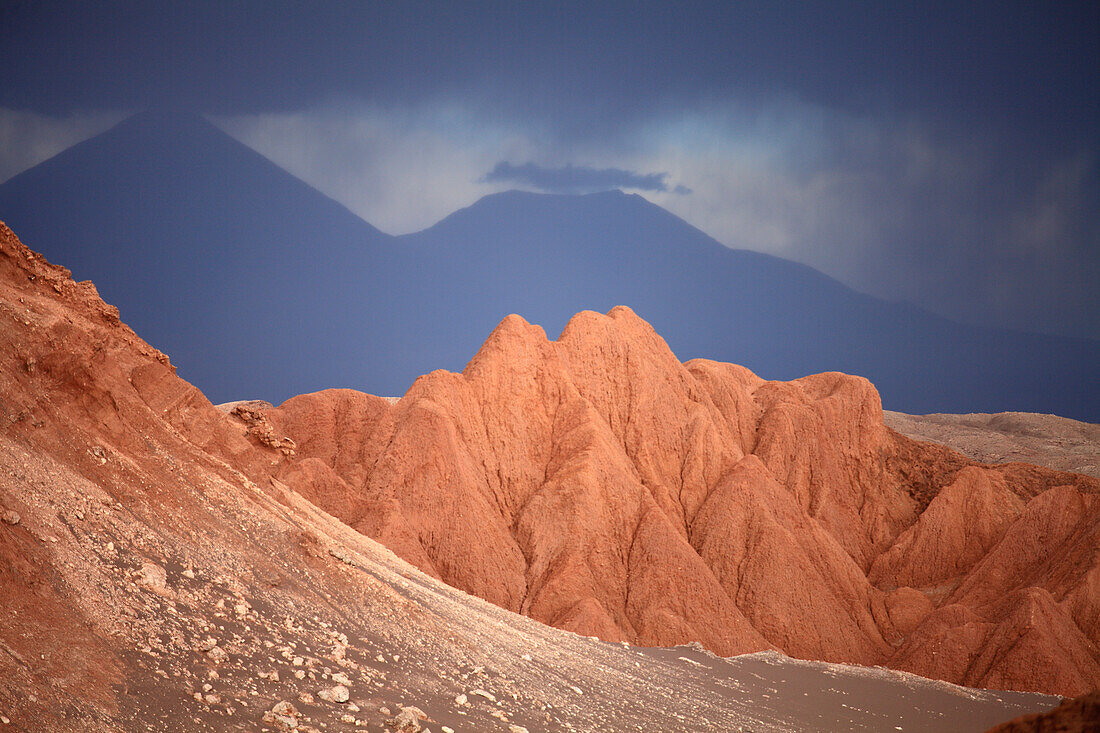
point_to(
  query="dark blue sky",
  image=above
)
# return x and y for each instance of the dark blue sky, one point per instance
(1029, 67)
(944, 153)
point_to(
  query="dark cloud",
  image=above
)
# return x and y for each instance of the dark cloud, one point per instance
(942, 152)
(579, 67)
(578, 179)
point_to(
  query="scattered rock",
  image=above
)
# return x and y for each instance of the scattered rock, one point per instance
(487, 695)
(283, 716)
(338, 694)
(285, 708)
(342, 555)
(460, 699)
(151, 576)
(281, 722)
(407, 720)
(10, 517)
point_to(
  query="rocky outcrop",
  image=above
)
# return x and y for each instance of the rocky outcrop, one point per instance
(594, 483)
(597, 484)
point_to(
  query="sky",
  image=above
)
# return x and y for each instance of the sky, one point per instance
(941, 153)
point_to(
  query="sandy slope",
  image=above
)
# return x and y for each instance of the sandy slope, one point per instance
(148, 584)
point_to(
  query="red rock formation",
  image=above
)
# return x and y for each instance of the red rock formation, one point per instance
(597, 484)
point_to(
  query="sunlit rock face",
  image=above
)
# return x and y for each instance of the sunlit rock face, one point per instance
(597, 484)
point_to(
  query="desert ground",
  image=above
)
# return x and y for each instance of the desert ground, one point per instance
(1004, 437)
(156, 575)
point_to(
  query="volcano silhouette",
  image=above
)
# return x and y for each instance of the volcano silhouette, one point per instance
(257, 285)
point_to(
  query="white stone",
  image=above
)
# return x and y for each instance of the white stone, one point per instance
(482, 693)
(334, 694)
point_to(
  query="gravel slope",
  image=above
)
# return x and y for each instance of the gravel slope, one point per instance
(1006, 437)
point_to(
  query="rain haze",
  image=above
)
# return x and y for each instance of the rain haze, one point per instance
(940, 154)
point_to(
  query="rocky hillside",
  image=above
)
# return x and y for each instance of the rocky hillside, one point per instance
(157, 574)
(597, 484)
(1007, 437)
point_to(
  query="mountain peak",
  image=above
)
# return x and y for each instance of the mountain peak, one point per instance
(193, 235)
(166, 114)
(224, 259)
(519, 196)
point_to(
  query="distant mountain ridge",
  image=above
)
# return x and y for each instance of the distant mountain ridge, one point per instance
(259, 286)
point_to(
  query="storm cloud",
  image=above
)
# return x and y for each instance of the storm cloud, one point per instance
(28, 138)
(577, 179)
(944, 154)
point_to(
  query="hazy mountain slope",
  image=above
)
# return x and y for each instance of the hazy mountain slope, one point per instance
(597, 484)
(221, 258)
(259, 286)
(548, 257)
(154, 578)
